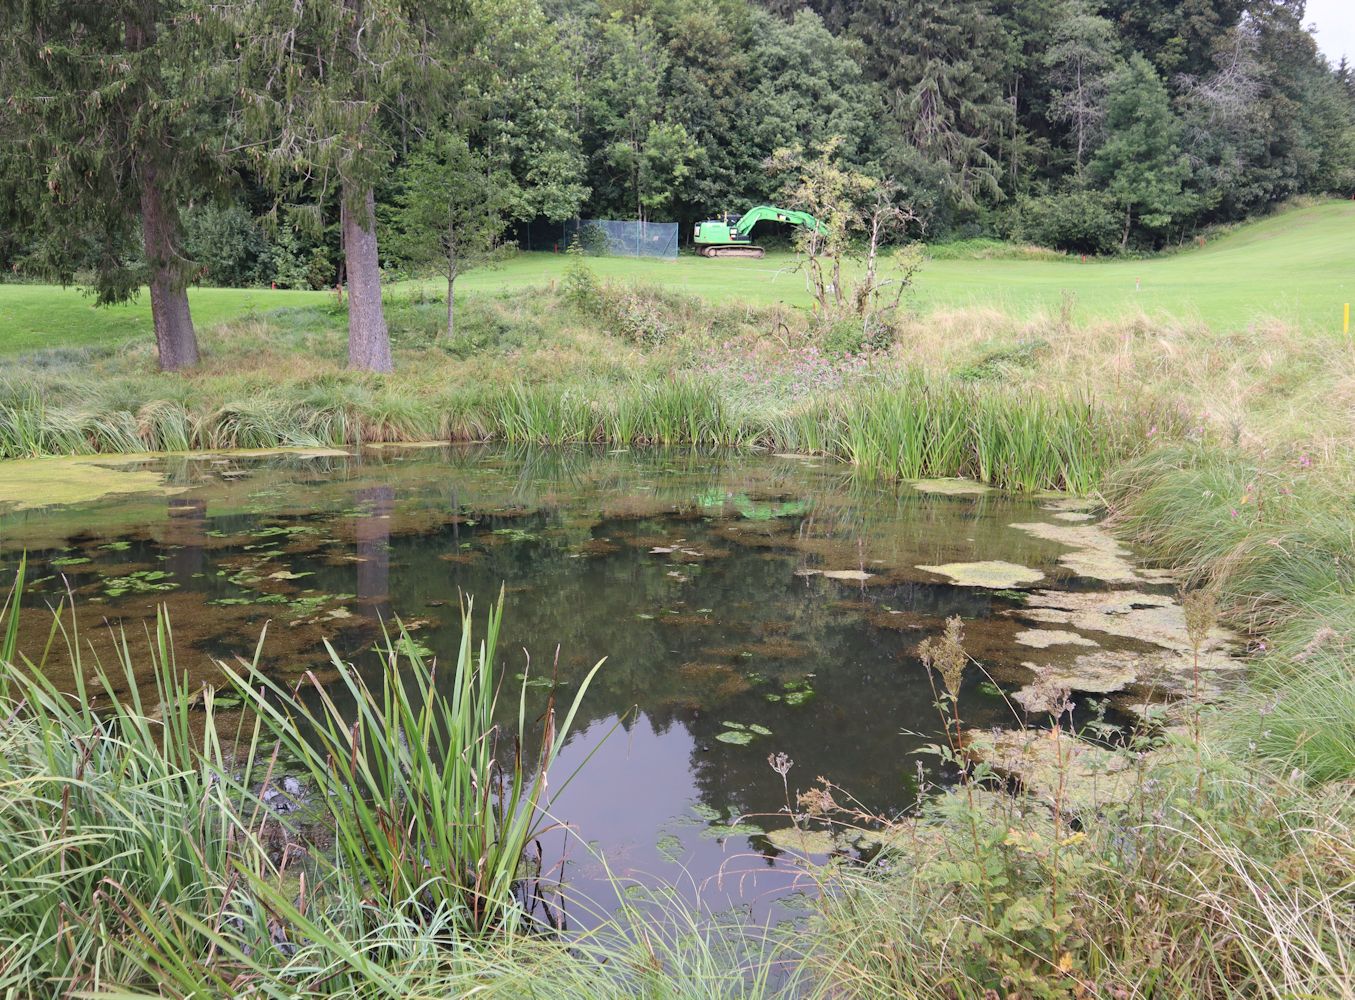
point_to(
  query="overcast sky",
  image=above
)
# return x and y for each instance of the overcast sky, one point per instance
(1335, 20)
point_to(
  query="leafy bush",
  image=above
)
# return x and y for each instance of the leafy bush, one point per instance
(852, 336)
(582, 288)
(1079, 221)
(228, 245)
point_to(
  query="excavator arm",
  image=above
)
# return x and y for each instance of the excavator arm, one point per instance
(770, 213)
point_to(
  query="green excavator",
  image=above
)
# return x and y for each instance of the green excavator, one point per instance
(732, 236)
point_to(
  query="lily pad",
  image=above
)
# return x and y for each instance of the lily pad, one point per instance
(670, 847)
(738, 737)
(993, 574)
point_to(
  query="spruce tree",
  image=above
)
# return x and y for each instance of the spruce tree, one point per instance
(326, 86)
(1080, 60)
(1141, 164)
(940, 63)
(107, 115)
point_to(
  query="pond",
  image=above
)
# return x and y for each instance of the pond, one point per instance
(747, 606)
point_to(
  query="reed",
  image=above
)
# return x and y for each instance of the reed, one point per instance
(140, 841)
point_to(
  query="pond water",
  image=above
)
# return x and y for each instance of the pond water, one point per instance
(747, 606)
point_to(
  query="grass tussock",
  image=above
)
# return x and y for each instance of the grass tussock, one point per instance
(1274, 542)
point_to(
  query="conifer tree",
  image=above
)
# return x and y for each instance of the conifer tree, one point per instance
(1141, 164)
(939, 63)
(322, 81)
(105, 115)
(1080, 61)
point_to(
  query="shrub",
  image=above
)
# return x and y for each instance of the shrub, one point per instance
(227, 244)
(1079, 221)
(852, 336)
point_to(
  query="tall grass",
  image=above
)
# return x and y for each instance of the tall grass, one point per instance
(1274, 540)
(439, 805)
(142, 846)
(905, 427)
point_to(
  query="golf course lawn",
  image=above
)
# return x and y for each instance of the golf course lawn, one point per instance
(1297, 266)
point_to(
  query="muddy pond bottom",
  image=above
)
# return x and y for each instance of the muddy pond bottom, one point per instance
(747, 607)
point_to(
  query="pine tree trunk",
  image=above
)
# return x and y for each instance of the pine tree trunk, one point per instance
(369, 346)
(174, 335)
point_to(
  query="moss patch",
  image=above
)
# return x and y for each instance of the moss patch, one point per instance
(1053, 767)
(1043, 638)
(951, 487)
(857, 575)
(992, 573)
(1096, 554)
(43, 482)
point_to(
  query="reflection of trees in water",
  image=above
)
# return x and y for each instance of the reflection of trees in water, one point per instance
(868, 686)
(185, 539)
(373, 533)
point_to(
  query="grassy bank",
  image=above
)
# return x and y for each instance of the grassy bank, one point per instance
(540, 369)
(1295, 267)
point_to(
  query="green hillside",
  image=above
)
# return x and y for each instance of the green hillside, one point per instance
(1297, 266)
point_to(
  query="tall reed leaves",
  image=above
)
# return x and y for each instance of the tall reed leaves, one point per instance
(435, 805)
(139, 840)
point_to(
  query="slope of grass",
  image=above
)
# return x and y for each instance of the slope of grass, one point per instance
(37, 317)
(1297, 267)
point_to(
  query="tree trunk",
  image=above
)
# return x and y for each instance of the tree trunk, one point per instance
(451, 305)
(174, 335)
(369, 346)
(1128, 219)
(175, 338)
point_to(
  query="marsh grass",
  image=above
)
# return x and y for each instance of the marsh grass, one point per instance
(570, 380)
(144, 847)
(1273, 541)
(1238, 894)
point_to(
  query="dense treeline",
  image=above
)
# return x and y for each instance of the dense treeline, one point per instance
(166, 142)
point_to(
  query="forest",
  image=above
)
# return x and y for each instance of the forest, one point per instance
(1083, 126)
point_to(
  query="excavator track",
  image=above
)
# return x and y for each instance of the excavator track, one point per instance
(731, 251)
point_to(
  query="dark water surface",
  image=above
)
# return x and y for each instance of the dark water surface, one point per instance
(686, 571)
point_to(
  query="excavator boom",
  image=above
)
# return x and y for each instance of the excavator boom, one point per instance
(732, 236)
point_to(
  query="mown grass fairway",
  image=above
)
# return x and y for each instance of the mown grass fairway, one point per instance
(35, 317)
(1297, 267)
